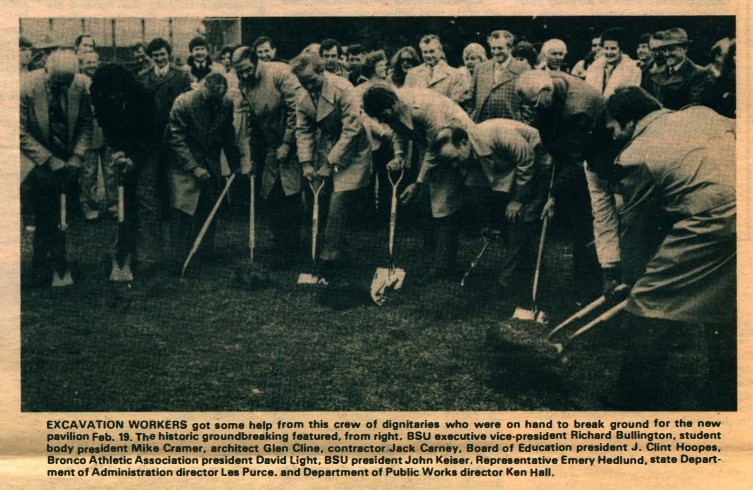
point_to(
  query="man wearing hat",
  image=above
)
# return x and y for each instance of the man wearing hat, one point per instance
(681, 82)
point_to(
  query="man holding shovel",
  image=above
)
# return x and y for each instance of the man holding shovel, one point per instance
(56, 125)
(417, 114)
(332, 145)
(201, 124)
(268, 93)
(676, 171)
(505, 157)
(125, 114)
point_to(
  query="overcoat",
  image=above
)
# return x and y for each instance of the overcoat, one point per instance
(445, 79)
(270, 106)
(423, 113)
(681, 88)
(625, 74)
(683, 162)
(197, 132)
(330, 133)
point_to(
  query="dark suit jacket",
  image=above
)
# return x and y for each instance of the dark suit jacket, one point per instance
(496, 100)
(682, 88)
(164, 91)
(35, 121)
(572, 129)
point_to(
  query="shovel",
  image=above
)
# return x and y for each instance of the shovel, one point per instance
(487, 241)
(611, 312)
(619, 292)
(249, 274)
(313, 278)
(534, 313)
(389, 279)
(62, 275)
(205, 226)
(121, 265)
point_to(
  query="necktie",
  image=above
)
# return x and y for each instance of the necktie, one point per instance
(607, 73)
(58, 123)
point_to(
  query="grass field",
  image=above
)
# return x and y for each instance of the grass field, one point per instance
(203, 344)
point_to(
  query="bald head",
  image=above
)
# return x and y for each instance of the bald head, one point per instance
(61, 67)
(534, 87)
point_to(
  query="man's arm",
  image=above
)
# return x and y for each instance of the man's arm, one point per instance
(518, 151)
(351, 127)
(229, 141)
(30, 146)
(178, 128)
(289, 87)
(305, 129)
(84, 123)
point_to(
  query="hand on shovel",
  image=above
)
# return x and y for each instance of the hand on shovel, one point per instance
(512, 211)
(548, 211)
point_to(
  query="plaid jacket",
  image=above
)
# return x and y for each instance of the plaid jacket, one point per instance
(496, 100)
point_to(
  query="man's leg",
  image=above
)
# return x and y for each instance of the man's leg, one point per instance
(45, 204)
(285, 223)
(446, 245)
(644, 362)
(338, 219)
(88, 180)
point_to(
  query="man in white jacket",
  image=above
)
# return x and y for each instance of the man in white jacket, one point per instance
(613, 68)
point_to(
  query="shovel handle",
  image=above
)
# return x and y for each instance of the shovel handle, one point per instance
(599, 319)
(251, 217)
(205, 226)
(315, 218)
(393, 208)
(539, 259)
(63, 213)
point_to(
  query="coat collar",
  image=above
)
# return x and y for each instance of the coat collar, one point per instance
(326, 98)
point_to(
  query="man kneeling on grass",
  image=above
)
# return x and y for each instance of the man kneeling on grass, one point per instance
(507, 160)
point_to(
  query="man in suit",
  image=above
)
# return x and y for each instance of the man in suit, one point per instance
(569, 115)
(416, 115)
(268, 94)
(201, 125)
(492, 89)
(164, 83)
(199, 63)
(56, 125)
(508, 161)
(435, 74)
(332, 145)
(681, 82)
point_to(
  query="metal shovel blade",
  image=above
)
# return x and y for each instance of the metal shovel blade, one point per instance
(311, 279)
(386, 280)
(121, 273)
(530, 315)
(61, 280)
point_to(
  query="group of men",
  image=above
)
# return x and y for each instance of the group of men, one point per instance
(632, 170)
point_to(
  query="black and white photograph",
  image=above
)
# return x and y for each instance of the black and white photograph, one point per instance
(367, 213)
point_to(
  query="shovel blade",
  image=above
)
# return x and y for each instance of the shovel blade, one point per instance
(61, 280)
(306, 278)
(121, 273)
(530, 315)
(386, 280)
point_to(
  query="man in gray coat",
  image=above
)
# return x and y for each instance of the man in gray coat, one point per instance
(676, 169)
(201, 124)
(332, 146)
